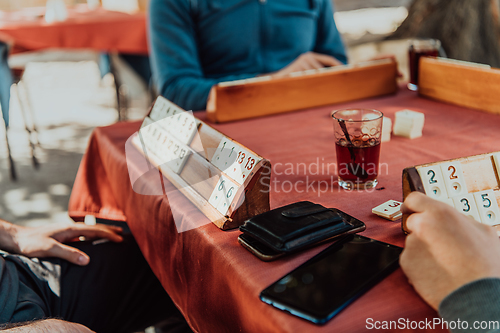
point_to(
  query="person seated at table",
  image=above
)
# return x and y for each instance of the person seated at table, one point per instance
(195, 44)
(113, 290)
(452, 261)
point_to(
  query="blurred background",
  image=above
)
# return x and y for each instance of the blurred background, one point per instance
(66, 93)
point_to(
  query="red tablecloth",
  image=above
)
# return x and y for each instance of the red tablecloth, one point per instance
(99, 30)
(212, 279)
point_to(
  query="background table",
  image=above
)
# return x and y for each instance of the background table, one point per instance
(216, 282)
(100, 30)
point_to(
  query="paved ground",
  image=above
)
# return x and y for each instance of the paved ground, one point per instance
(69, 99)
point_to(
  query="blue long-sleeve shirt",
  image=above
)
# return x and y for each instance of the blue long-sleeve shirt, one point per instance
(195, 44)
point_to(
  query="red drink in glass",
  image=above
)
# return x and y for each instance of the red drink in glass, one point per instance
(363, 167)
(357, 144)
(420, 48)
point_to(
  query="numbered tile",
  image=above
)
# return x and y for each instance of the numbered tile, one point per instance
(223, 195)
(187, 126)
(453, 178)
(169, 121)
(179, 160)
(449, 201)
(227, 200)
(433, 182)
(467, 204)
(146, 122)
(181, 120)
(243, 166)
(225, 155)
(164, 123)
(162, 150)
(159, 143)
(488, 207)
(150, 136)
(159, 110)
(390, 210)
(496, 159)
(177, 154)
(217, 194)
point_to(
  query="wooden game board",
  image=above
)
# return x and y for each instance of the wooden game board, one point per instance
(461, 83)
(226, 181)
(262, 96)
(470, 184)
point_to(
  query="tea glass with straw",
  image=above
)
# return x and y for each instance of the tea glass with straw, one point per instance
(358, 134)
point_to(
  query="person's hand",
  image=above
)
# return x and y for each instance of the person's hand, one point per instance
(46, 241)
(445, 249)
(309, 60)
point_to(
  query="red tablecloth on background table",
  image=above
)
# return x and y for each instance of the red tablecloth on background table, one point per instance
(99, 29)
(212, 279)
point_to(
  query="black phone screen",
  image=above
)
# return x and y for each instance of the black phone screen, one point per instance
(328, 282)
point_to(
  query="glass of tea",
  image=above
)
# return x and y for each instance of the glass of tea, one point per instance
(358, 133)
(420, 48)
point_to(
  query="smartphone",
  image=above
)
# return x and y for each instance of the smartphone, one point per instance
(259, 249)
(330, 281)
(266, 253)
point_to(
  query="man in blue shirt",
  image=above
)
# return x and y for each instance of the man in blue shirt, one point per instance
(195, 44)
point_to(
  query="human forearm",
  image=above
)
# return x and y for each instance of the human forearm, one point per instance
(48, 240)
(8, 233)
(48, 326)
(191, 93)
(475, 302)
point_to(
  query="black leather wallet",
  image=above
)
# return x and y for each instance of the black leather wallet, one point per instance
(289, 228)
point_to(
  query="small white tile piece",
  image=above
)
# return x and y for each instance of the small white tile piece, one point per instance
(296, 74)
(390, 210)
(466, 204)
(259, 79)
(90, 220)
(231, 83)
(488, 207)
(408, 124)
(453, 178)
(386, 129)
(433, 182)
